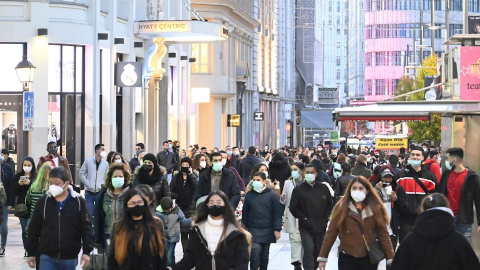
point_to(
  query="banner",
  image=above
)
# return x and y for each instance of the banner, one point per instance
(391, 145)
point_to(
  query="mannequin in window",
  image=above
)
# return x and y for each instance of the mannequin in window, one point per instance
(53, 133)
(9, 138)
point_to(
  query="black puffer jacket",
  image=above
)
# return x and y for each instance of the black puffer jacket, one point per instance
(470, 193)
(435, 245)
(157, 181)
(245, 167)
(228, 184)
(232, 252)
(183, 191)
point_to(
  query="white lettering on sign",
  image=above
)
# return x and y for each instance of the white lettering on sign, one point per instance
(162, 26)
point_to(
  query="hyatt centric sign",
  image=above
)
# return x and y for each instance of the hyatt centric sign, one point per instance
(162, 26)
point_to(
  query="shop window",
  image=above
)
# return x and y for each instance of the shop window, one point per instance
(201, 53)
(11, 55)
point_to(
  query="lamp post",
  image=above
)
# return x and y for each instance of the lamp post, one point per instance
(25, 71)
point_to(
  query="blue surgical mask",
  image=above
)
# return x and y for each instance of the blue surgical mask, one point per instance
(118, 182)
(257, 185)
(229, 153)
(415, 163)
(309, 178)
(217, 166)
(448, 165)
(295, 175)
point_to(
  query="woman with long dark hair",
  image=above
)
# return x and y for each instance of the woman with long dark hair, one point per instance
(23, 180)
(137, 238)
(359, 218)
(217, 240)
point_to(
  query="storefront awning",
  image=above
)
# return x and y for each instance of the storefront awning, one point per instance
(406, 110)
(317, 120)
(182, 31)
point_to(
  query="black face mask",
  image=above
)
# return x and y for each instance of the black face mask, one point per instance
(52, 151)
(185, 169)
(216, 210)
(147, 167)
(136, 211)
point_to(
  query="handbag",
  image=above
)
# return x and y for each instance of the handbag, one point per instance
(97, 261)
(21, 210)
(375, 251)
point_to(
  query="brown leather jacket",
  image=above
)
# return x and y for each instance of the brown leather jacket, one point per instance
(351, 241)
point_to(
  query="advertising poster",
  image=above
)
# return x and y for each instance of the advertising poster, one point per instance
(469, 73)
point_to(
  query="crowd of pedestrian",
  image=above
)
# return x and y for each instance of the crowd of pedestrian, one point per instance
(227, 206)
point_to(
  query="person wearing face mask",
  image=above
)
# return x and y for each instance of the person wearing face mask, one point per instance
(92, 175)
(291, 223)
(23, 180)
(312, 204)
(361, 167)
(7, 179)
(431, 163)
(182, 190)
(262, 217)
(58, 160)
(358, 219)
(217, 240)
(246, 165)
(342, 181)
(60, 227)
(226, 164)
(109, 205)
(201, 164)
(168, 159)
(135, 162)
(260, 167)
(117, 159)
(155, 176)
(461, 186)
(393, 197)
(218, 178)
(417, 182)
(235, 157)
(138, 238)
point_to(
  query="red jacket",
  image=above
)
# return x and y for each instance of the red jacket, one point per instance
(433, 166)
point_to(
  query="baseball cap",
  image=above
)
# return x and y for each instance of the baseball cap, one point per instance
(386, 172)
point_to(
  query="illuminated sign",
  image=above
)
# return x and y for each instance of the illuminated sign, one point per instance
(469, 73)
(233, 120)
(162, 26)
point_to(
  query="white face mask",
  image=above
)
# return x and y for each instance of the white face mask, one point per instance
(203, 164)
(27, 169)
(266, 174)
(56, 190)
(103, 154)
(118, 161)
(358, 196)
(224, 161)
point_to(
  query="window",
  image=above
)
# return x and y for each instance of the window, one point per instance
(10, 54)
(456, 5)
(338, 44)
(455, 29)
(338, 6)
(338, 74)
(338, 61)
(329, 6)
(380, 87)
(368, 87)
(338, 31)
(201, 54)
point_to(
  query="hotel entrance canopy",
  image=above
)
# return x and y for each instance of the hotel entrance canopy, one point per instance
(182, 32)
(406, 110)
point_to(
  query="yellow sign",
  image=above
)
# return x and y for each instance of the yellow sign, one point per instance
(233, 120)
(391, 143)
(162, 26)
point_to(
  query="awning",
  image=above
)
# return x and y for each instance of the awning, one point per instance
(317, 120)
(182, 31)
(406, 110)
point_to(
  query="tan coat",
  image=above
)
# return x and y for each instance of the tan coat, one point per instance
(351, 241)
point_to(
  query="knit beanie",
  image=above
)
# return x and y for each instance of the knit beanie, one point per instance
(150, 157)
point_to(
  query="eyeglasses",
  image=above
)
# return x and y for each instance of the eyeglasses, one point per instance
(132, 204)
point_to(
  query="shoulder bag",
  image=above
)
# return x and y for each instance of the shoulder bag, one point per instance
(375, 251)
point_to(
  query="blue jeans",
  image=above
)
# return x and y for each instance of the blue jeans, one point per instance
(259, 256)
(90, 197)
(49, 263)
(4, 227)
(171, 253)
(169, 178)
(465, 229)
(24, 224)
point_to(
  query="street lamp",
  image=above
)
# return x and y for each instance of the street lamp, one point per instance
(25, 71)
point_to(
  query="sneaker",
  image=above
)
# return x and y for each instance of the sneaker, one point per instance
(26, 255)
(2, 252)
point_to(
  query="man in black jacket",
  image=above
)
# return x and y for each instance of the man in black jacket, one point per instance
(167, 159)
(60, 226)
(461, 186)
(246, 165)
(312, 204)
(7, 178)
(417, 182)
(218, 178)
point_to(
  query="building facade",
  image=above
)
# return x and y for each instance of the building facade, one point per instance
(356, 49)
